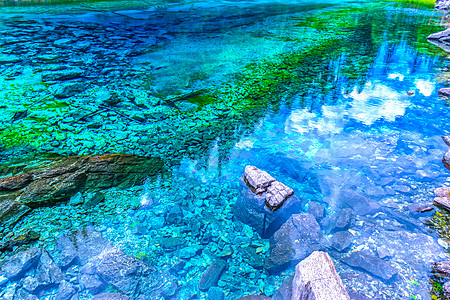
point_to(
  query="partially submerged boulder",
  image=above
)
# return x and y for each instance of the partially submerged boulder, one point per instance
(294, 241)
(316, 278)
(264, 203)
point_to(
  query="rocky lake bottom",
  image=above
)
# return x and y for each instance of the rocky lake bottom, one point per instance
(336, 100)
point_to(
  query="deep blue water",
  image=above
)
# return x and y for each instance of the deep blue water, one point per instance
(339, 119)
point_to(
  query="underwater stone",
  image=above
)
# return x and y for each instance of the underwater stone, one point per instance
(17, 264)
(120, 270)
(62, 75)
(65, 291)
(15, 182)
(255, 297)
(252, 210)
(216, 293)
(49, 191)
(284, 292)
(22, 239)
(257, 180)
(11, 212)
(212, 275)
(443, 268)
(92, 283)
(171, 243)
(80, 246)
(94, 200)
(338, 221)
(47, 272)
(446, 160)
(316, 278)
(316, 209)
(76, 199)
(68, 90)
(9, 59)
(30, 284)
(341, 240)
(358, 202)
(370, 263)
(294, 241)
(250, 256)
(110, 296)
(276, 194)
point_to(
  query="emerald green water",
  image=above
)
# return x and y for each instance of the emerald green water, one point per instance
(313, 93)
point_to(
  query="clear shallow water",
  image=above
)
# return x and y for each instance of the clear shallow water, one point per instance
(314, 94)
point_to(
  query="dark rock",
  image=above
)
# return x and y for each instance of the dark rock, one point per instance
(216, 293)
(284, 292)
(171, 243)
(92, 283)
(341, 240)
(175, 215)
(446, 139)
(13, 267)
(370, 263)
(110, 296)
(120, 270)
(65, 291)
(47, 272)
(251, 257)
(316, 209)
(446, 160)
(294, 241)
(79, 246)
(94, 200)
(68, 90)
(76, 199)
(212, 275)
(257, 180)
(11, 212)
(316, 278)
(22, 239)
(276, 195)
(18, 115)
(62, 75)
(338, 221)
(15, 182)
(50, 191)
(360, 204)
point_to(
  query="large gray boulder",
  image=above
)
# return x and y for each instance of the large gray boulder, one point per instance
(294, 241)
(316, 279)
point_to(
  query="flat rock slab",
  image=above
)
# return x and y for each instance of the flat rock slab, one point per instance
(276, 194)
(257, 180)
(372, 264)
(316, 278)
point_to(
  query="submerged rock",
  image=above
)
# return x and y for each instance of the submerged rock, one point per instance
(79, 246)
(212, 275)
(341, 240)
(370, 263)
(316, 278)
(17, 264)
(21, 239)
(294, 241)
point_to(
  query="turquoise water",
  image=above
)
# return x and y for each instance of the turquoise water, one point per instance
(316, 94)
